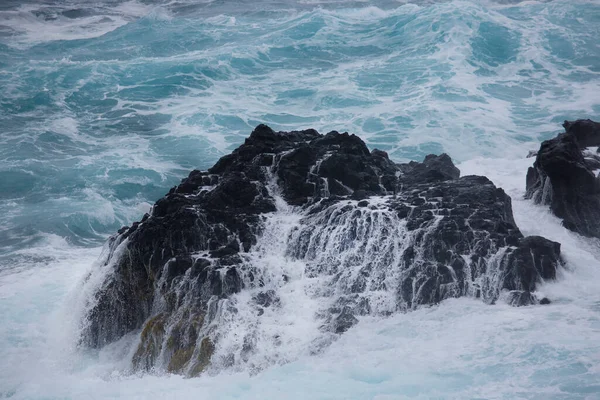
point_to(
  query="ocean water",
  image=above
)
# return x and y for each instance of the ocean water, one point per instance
(104, 105)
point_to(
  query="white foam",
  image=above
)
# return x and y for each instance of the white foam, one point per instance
(30, 29)
(37, 334)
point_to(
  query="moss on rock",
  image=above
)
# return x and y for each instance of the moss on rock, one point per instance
(179, 359)
(150, 345)
(207, 348)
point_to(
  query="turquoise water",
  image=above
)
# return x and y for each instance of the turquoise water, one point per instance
(106, 105)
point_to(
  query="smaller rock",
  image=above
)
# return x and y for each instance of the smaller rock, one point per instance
(586, 131)
(433, 169)
(380, 153)
(564, 177)
(545, 300)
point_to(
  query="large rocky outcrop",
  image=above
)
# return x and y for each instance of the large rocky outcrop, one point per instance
(371, 237)
(564, 176)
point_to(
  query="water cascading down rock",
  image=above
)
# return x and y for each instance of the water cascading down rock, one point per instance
(357, 233)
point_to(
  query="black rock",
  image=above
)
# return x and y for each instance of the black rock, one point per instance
(432, 169)
(532, 261)
(545, 301)
(586, 131)
(461, 240)
(563, 177)
(429, 235)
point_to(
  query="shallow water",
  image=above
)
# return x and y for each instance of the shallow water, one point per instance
(105, 105)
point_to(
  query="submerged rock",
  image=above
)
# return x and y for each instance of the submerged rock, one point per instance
(564, 176)
(370, 237)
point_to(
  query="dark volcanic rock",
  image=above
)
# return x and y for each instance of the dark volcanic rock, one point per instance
(564, 176)
(460, 239)
(378, 237)
(432, 169)
(586, 131)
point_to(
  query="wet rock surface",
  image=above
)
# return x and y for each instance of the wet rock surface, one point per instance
(565, 176)
(368, 228)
